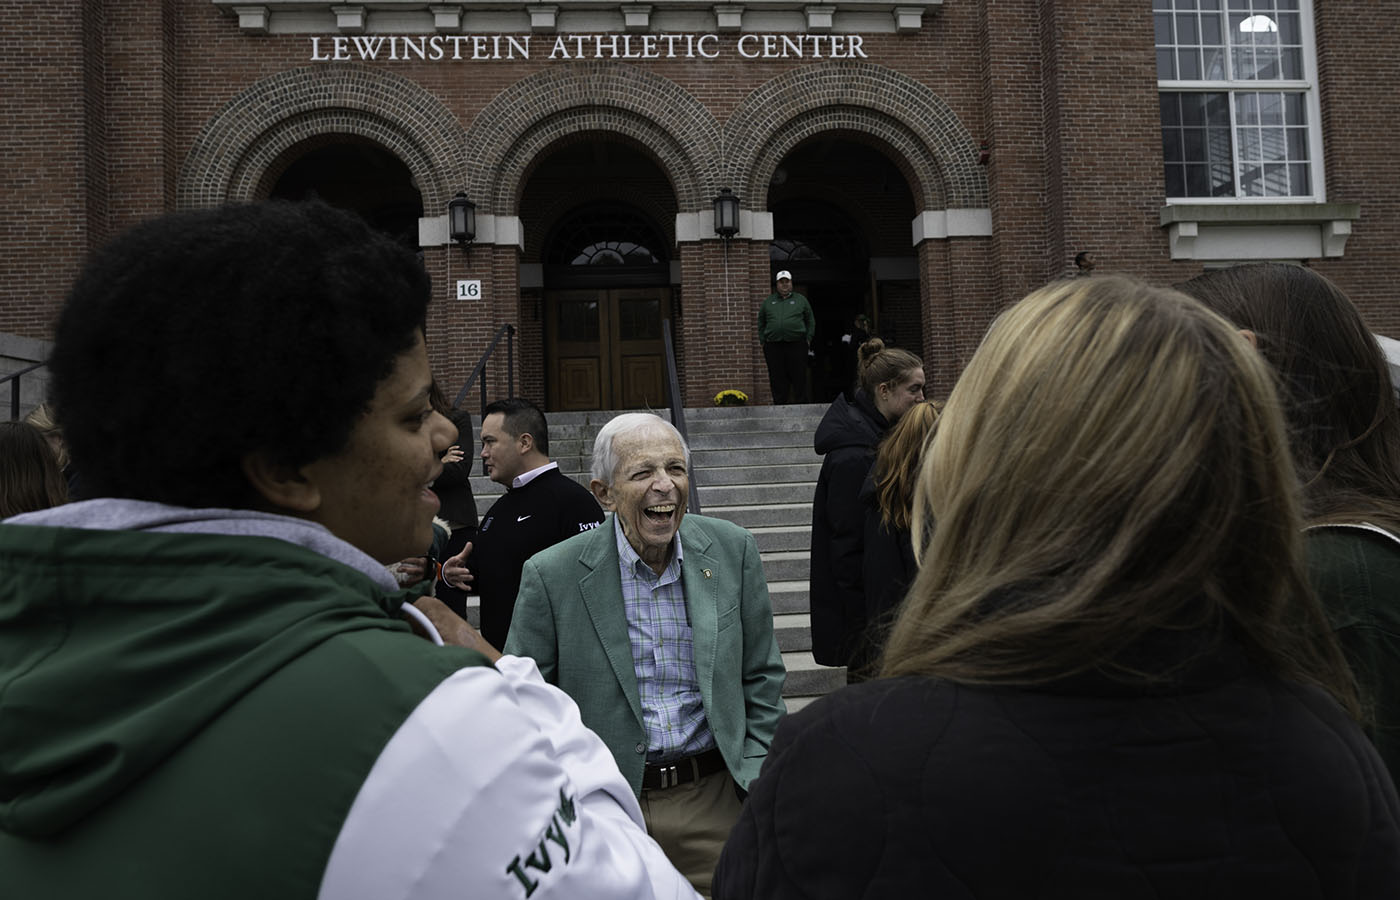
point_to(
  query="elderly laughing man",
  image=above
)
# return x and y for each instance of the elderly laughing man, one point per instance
(658, 625)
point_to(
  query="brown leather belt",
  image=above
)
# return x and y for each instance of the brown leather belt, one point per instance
(682, 771)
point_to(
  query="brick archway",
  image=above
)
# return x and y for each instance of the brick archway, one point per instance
(234, 151)
(928, 140)
(535, 113)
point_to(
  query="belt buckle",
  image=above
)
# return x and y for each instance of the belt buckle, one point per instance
(670, 776)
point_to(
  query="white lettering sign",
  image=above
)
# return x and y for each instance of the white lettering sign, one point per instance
(495, 47)
(469, 289)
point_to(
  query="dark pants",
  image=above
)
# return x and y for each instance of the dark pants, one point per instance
(787, 370)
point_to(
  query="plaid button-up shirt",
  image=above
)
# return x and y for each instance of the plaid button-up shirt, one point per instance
(663, 655)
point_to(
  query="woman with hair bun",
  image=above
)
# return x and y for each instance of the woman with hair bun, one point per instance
(890, 381)
(1109, 677)
(1344, 429)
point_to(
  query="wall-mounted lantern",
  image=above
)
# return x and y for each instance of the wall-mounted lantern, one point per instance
(726, 214)
(461, 219)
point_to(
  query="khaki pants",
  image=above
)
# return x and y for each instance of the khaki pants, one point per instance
(691, 822)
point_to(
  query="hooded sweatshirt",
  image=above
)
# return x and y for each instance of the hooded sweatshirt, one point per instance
(846, 438)
(222, 703)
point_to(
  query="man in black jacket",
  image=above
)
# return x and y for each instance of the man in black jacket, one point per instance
(541, 507)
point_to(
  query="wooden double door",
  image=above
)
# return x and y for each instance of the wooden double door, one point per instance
(606, 348)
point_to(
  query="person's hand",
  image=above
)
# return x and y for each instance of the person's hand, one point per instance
(455, 630)
(455, 572)
(411, 570)
(453, 454)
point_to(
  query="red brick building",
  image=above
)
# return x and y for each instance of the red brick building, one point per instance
(925, 162)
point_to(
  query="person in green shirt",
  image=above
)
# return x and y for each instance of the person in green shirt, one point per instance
(786, 327)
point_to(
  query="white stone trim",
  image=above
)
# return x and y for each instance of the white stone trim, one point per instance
(349, 19)
(756, 226)
(1334, 237)
(501, 231)
(908, 19)
(446, 18)
(694, 226)
(1194, 240)
(413, 17)
(939, 224)
(819, 18)
(543, 18)
(252, 19)
(729, 18)
(1240, 231)
(635, 16)
(700, 226)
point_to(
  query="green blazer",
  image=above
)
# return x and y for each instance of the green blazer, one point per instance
(569, 618)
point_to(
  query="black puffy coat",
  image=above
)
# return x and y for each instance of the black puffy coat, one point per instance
(1230, 784)
(888, 568)
(846, 438)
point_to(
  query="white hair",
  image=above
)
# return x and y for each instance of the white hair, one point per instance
(604, 457)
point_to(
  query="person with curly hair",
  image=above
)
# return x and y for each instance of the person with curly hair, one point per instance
(210, 685)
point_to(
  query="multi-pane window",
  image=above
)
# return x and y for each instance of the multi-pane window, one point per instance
(1237, 99)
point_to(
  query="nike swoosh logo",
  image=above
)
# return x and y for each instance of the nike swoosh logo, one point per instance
(522, 518)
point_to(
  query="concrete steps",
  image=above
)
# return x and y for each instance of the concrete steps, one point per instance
(753, 466)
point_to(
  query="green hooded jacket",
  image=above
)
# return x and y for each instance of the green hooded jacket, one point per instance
(190, 715)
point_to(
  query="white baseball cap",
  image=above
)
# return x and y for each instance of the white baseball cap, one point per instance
(783, 274)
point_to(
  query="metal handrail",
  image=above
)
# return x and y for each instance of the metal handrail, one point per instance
(678, 408)
(508, 330)
(14, 378)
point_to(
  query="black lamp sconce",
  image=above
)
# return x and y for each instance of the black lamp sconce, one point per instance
(726, 214)
(461, 219)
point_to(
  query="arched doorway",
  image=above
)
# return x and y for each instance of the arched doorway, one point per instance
(826, 252)
(841, 211)
(600, 209)
(353, 173)
(608, 279)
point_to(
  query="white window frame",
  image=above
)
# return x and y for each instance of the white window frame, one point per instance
(1231, 87)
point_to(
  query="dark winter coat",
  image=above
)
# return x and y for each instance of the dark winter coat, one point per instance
(888, 568)
(846, 437)
(454, 485)
(1230, 783)
(1355, 570)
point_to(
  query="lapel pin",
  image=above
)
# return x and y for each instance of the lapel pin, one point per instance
(708, 573)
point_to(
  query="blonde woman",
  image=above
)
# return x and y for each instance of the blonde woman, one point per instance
(29, 476)
(1109, 678)
(888, 563)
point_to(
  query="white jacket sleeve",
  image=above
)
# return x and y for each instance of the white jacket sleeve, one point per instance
(493, 788)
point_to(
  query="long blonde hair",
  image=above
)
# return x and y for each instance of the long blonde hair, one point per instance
(41, 417)
(1112, 465)
(897, 464)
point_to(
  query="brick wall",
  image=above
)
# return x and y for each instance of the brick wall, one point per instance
(117, 111)
(1361, 163)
